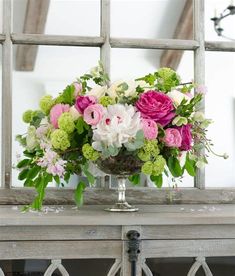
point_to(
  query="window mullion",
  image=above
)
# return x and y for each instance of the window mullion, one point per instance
(199, 68)
(7, 95)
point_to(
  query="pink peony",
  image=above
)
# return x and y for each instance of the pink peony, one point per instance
(150, 129)
(82, 102)
(93, 114)
(156, 106)
(186, 135)
(172, 138)
(56, 111)
(77, 88)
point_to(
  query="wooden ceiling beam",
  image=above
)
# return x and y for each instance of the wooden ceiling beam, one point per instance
(34, 23)
(184, 30)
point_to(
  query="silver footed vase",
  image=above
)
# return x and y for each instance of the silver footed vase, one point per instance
(122, 166)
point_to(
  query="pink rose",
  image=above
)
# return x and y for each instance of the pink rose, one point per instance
(56, 111)
(172, 138)
(150, 129)
(156, 106)
(186, 135)
(77, 88)
(82, 102)
(93, 114)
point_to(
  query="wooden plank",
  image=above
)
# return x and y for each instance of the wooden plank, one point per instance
(94, 215)
(199, 70)
(2, 38)
(64, 232)
(60, 250)
(221, 46)
(141, 43)
(184, 30)
(35, 22)
(6, 142)
(188, 248)
(134, 196)
(57, 40)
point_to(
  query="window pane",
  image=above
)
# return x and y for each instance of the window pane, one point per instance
(220, 106)
(214, 8)
(62, 17)
(55, 67)
(130, 64)
(147, 18)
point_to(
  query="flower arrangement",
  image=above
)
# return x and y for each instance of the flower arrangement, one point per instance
(154, 120)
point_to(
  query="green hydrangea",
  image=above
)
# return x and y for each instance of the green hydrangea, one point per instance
(27, 116)
(66, 122)
(143, 155)
(89, 153)
(46, 103)
(60, 139)
(147, 167)
(158, 165)
(167, 79)
(151, 147)
(106, 100)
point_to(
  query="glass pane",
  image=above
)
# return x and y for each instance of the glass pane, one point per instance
(148, 18)
(220, 106)
(129, 64)
(215, 8)
(54, 69)
(62, 17)
(98, 267)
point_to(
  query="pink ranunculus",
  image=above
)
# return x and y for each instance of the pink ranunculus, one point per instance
(56, 111)
(93, 114)
(82, 102)
(186, 135)
(150, 129)
(77, 88)
(156, 106)
(172, 138)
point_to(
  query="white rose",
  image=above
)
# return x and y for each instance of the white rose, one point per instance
(178, 97)
(97, 91)
(74, 113)
(122, 88)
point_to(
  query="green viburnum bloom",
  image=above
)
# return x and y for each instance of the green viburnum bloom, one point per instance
(66, 123)
(143, 155)
(90, 153)
(179, 121)
(158, 165)
(27, 116)
(147, 167)
(167, 78)
(60, 139)
(46, 103)
(106, 100)
(151, 146)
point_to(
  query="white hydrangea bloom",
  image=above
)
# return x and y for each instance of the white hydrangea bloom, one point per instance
(119, 124)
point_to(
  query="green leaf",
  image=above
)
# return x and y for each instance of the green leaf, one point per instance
(23, 174)
(23, 163)
(174, 166)
(113, 151)
(89, 176)
(57, 179)
(28, 183)
(78, 195)
(33, 172)
(135, 179)
(81, 125)
(190, 166)
(68, 94)
(67, 177)
(157, 180)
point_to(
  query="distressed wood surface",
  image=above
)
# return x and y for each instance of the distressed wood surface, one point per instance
(221, 46)
(34, 23)
(58, 40)
(148, 215)
(134, 196)
(60, 250)
(2, 38)
(143, 43)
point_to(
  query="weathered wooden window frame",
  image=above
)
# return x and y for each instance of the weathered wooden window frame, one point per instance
(10, 195)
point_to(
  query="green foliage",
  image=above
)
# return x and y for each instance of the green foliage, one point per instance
(81, 125)
(190, 166)
(78, 194)
(157, 180)
(174, 166)
(89, 176)
(186, 109)
(134, 179)
(21, 140)
(136, 143)
(67, 97)
(37, 117)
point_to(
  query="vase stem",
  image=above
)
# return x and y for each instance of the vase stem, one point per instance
(121, 189)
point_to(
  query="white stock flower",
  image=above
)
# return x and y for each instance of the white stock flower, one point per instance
(119, 124)
(122, 88)
(178, 97)
(97, 91)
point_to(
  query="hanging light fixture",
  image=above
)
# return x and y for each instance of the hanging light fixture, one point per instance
(230, 10)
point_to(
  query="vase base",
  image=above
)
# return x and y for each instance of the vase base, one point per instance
(122, 207)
